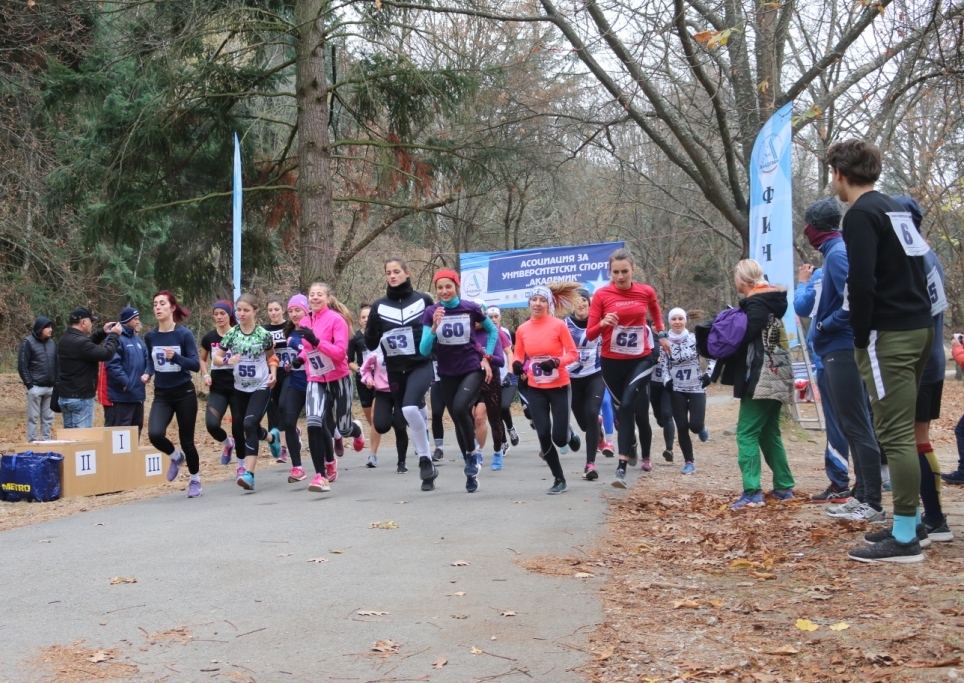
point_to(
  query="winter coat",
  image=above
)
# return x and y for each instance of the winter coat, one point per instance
(37, 358)
(124, 370)
(79, 356)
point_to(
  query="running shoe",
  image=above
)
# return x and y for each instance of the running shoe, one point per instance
(607, 449)
(884, 534)
(956, 477)
(574, 441)
(843, 511)
(865, 513)
(240, 471)
(339, 447)
(471, 484)
(177, 459)
(496, 461)
(590, 473)
(704, 435)
(400, 467)
(194, 489)
(358, 442)
(227, 452)
(542, 455)
(296, 474)
(558, 486)
(331, 471)
(889, 550)
(513, 436)
(427, 473)
(472, 464)
(372, 461)
(782, 494)
(246, 481)
(688, 468)
(505, 448)
(748, 500)
(940, 533)
(563, 449)
(633, 455)
(831, 495)
(284, 454)
(668, 455)
(437, 455)
(319, 484)
(275, 444)
(647, 466)
(886, 485)
(619, 480)
(479, 458)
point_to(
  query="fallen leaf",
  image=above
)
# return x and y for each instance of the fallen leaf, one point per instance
(383, 525)
(605, 653)
(100, 656)
(716, 603)
(285, 554)
(386, 646)
(507, 613)
(785, 650)
(762, 575)
(369, 613)
(122, 579)
(475, 650)
(842, 626)
(741, 563)
(439, 663)
(318, 560)
(460, 616)
(806, 625)
(460, 563)
(688, 604)
(337, 552)
(457, 594)
(583, 575)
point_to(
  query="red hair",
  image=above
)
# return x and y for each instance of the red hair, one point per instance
(178, 312)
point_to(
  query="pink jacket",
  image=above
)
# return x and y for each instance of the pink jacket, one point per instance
(374, 368)
(332, 332)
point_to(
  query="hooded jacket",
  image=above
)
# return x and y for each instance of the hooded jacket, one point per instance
(734, 371)
(78, 356)
(37, 358)
(124, 370)
(831, 327)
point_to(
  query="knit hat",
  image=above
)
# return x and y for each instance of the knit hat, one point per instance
(128, 314)
(299, 301)
(450, 274)
(911, 206)
(824, 214)
(677, 311)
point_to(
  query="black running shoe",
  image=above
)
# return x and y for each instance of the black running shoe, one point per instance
(831, 495)
(574, 441)
(437, 455)
(884, 534)
(668, 455)
(427, 473)
(889, 550)
(401, 469)
(558, 486)
(513, 436)
(940, 533)
(955, 477)
(633, 455)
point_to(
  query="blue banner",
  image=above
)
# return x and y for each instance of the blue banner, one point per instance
(771, 206)
(236, 217)
(505, 278)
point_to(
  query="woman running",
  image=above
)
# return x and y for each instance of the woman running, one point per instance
(357, 355)
(438, 414)
(387, 415)
(661, 399)
(174, 357)
(618, 315)
(689, 386)
(488, 407)
(249, 349)
(585, 377)
(276, 326)
(509, 380)
(324, 353)
(220, 381)
(544, 342)
(296, 388)
(462, 365)
(395, 323)
(606, 422)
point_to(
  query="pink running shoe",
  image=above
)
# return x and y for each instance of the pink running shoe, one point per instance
(358, 442)
(607, 449)
(297, 474)
(319, 484)
(331, 470)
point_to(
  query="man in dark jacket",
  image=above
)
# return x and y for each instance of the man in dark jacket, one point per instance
(125, 388)
(79, 353)
(37, 365)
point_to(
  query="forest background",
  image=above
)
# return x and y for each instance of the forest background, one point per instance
(429, 128)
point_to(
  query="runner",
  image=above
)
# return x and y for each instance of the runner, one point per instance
(173, 353)
(276, 326)
(221, 383)
(661, 400)
(438, 415)
(387, 415)
(688, 396)
(395, 323)
(618, 315)
(544, 343)
(606, 419)
(585, 377)
(357, 354)
(296, 389)
(249, 349)
(509, 380)
(462, 365)
(324, 353)
(488, 407)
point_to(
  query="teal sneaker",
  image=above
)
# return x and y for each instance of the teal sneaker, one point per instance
(275, 444)
(246, 481)
(497, 461)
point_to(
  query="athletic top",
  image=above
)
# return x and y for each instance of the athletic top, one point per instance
(683, 364)
(660, 370)
(588, 363)
(222, 379)
(329, 361)
(357, 351)
(169, 374)
(480, 337)
(395, 322)
(456, 350)
(297, 379)
(281, 350)
(540, 339)
(252, 373)
(628, 338)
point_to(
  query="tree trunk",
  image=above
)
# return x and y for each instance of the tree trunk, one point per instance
(317, 226)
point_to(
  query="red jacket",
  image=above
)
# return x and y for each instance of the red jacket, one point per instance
(102, 386)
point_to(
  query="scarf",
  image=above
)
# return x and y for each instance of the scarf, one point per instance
(817, 237)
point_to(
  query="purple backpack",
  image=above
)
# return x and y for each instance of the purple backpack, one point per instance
(726, 333)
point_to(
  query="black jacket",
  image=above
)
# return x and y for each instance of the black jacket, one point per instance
(37, 358)
(79, 357)
(401, 307)
(734, 370)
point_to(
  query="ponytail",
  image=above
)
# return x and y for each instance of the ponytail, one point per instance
(565, 292)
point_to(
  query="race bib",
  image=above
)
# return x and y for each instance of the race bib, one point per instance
(318, 364)
(455, 330)
(161, 362)
(213, 367)
(399, 342)
(686, 378)
(587, 356)
(627, 341)
(935, 290)
(250, 373)
(539, 375)
(907, 235)
(285, 355)
(658, 374)
(817, 291)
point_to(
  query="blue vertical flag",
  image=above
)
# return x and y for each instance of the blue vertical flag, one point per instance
(236, 217)
(771, 206)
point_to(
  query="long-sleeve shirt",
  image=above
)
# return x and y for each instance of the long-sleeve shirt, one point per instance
(627, 339)
(540, 339)
(172, 372)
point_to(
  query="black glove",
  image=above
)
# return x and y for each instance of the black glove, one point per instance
(549, 365)
(517, 368)
(668, 386)
(705, 380)
(297, 362)
(308, 335)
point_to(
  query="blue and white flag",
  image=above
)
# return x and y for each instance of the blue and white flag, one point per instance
(236, 217)
(771, 206)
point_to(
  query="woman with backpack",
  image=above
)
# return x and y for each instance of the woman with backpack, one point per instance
(761, 394)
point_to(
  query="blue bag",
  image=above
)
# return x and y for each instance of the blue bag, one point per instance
(30, 476)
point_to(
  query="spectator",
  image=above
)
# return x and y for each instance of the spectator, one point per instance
(37, 365)
(79, 354)
(125, 388)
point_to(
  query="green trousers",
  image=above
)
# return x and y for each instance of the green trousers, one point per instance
(758, 428)
(891, 367)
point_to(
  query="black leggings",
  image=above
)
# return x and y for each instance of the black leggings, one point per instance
(461, 393)
(587, 396)
(550, 415)
(385, 416)
(408, 390)
(274, 405)
(508, 394)
(661, 399)
(180, 402)
(438, 411)
(217, 408)
(491, 395)
(689, 412)
(252, 405)
(292, 403)
(628, 383)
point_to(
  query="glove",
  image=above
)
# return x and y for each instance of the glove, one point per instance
(668, 386)
(549, 365)
(517, 367)
(705, 380)
(309, 335)
(297, 362)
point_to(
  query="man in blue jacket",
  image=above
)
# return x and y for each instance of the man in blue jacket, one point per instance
(833, 341)
(124, 385)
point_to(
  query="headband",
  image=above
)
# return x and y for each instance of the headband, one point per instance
(450, 274)
(547, 294)
(224, 306)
